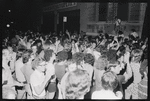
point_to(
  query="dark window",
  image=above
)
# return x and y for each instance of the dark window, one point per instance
(103, 11)
(134, 12)
(48, 22)
(122, 12)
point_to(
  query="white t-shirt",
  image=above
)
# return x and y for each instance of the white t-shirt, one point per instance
(63, 84)
(104, 94)
(136, 72)
(89, 69)
(37, 79)
(19, 75)
(50, 69)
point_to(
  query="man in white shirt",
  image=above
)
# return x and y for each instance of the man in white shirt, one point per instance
(88, 64)
(109, 83)
(49, 57)
(39, 80)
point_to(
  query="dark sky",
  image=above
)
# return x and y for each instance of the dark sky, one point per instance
(20, 10)
(23, 12)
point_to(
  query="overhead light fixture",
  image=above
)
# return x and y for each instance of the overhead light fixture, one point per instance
(8, 25)
(12, 22)
(9, 10)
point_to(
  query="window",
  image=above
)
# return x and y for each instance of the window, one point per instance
(122, 11)
(103, 7)
(134, 12)
(112, 11)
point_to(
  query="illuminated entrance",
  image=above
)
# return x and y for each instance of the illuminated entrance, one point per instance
(73, 21)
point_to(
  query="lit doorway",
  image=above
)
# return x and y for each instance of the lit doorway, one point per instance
(73, 21)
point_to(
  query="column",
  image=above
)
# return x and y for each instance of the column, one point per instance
(142, 15)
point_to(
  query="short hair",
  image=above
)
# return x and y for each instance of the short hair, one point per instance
(47, 42)
(20, 53)
(133, 30)
(26, 56)
(88, 44)
(36, 62)
(120, 39)
(109, 80)
(106, 36)
(78, 57)
(29, 37)
(120, 32)
(102, 49)
(62, 56)
(6, 91)
(77, 84)
(97, 37)
(22, 47)
(135, 46)
(122, 50)
(111, 65)
(101, 63)
(38, 41)
(89, 58)
(75, 40)
(112, 56)
(47, 54)
(137, 54)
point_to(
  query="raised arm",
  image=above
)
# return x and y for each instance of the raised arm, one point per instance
(128, 73)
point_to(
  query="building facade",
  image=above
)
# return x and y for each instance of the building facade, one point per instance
(93, 17)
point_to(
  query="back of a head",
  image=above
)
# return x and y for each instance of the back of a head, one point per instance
(47, 54)
(120, 32)
(77, 84)
(136, 55)
(62, 56)
(121, 51)
(133, 30)
(78, 57)
(47, 43)
(102, 49)
(106, 36)
(109, 80)
(111, 55)
(89, 58)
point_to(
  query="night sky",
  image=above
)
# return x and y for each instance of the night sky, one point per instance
(20, 11)
(23, 12)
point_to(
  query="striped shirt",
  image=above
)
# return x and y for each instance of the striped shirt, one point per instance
(142, 89)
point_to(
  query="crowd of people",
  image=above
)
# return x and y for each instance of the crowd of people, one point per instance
(74, 66)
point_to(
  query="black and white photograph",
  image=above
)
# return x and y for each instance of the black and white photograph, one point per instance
(74, 50)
